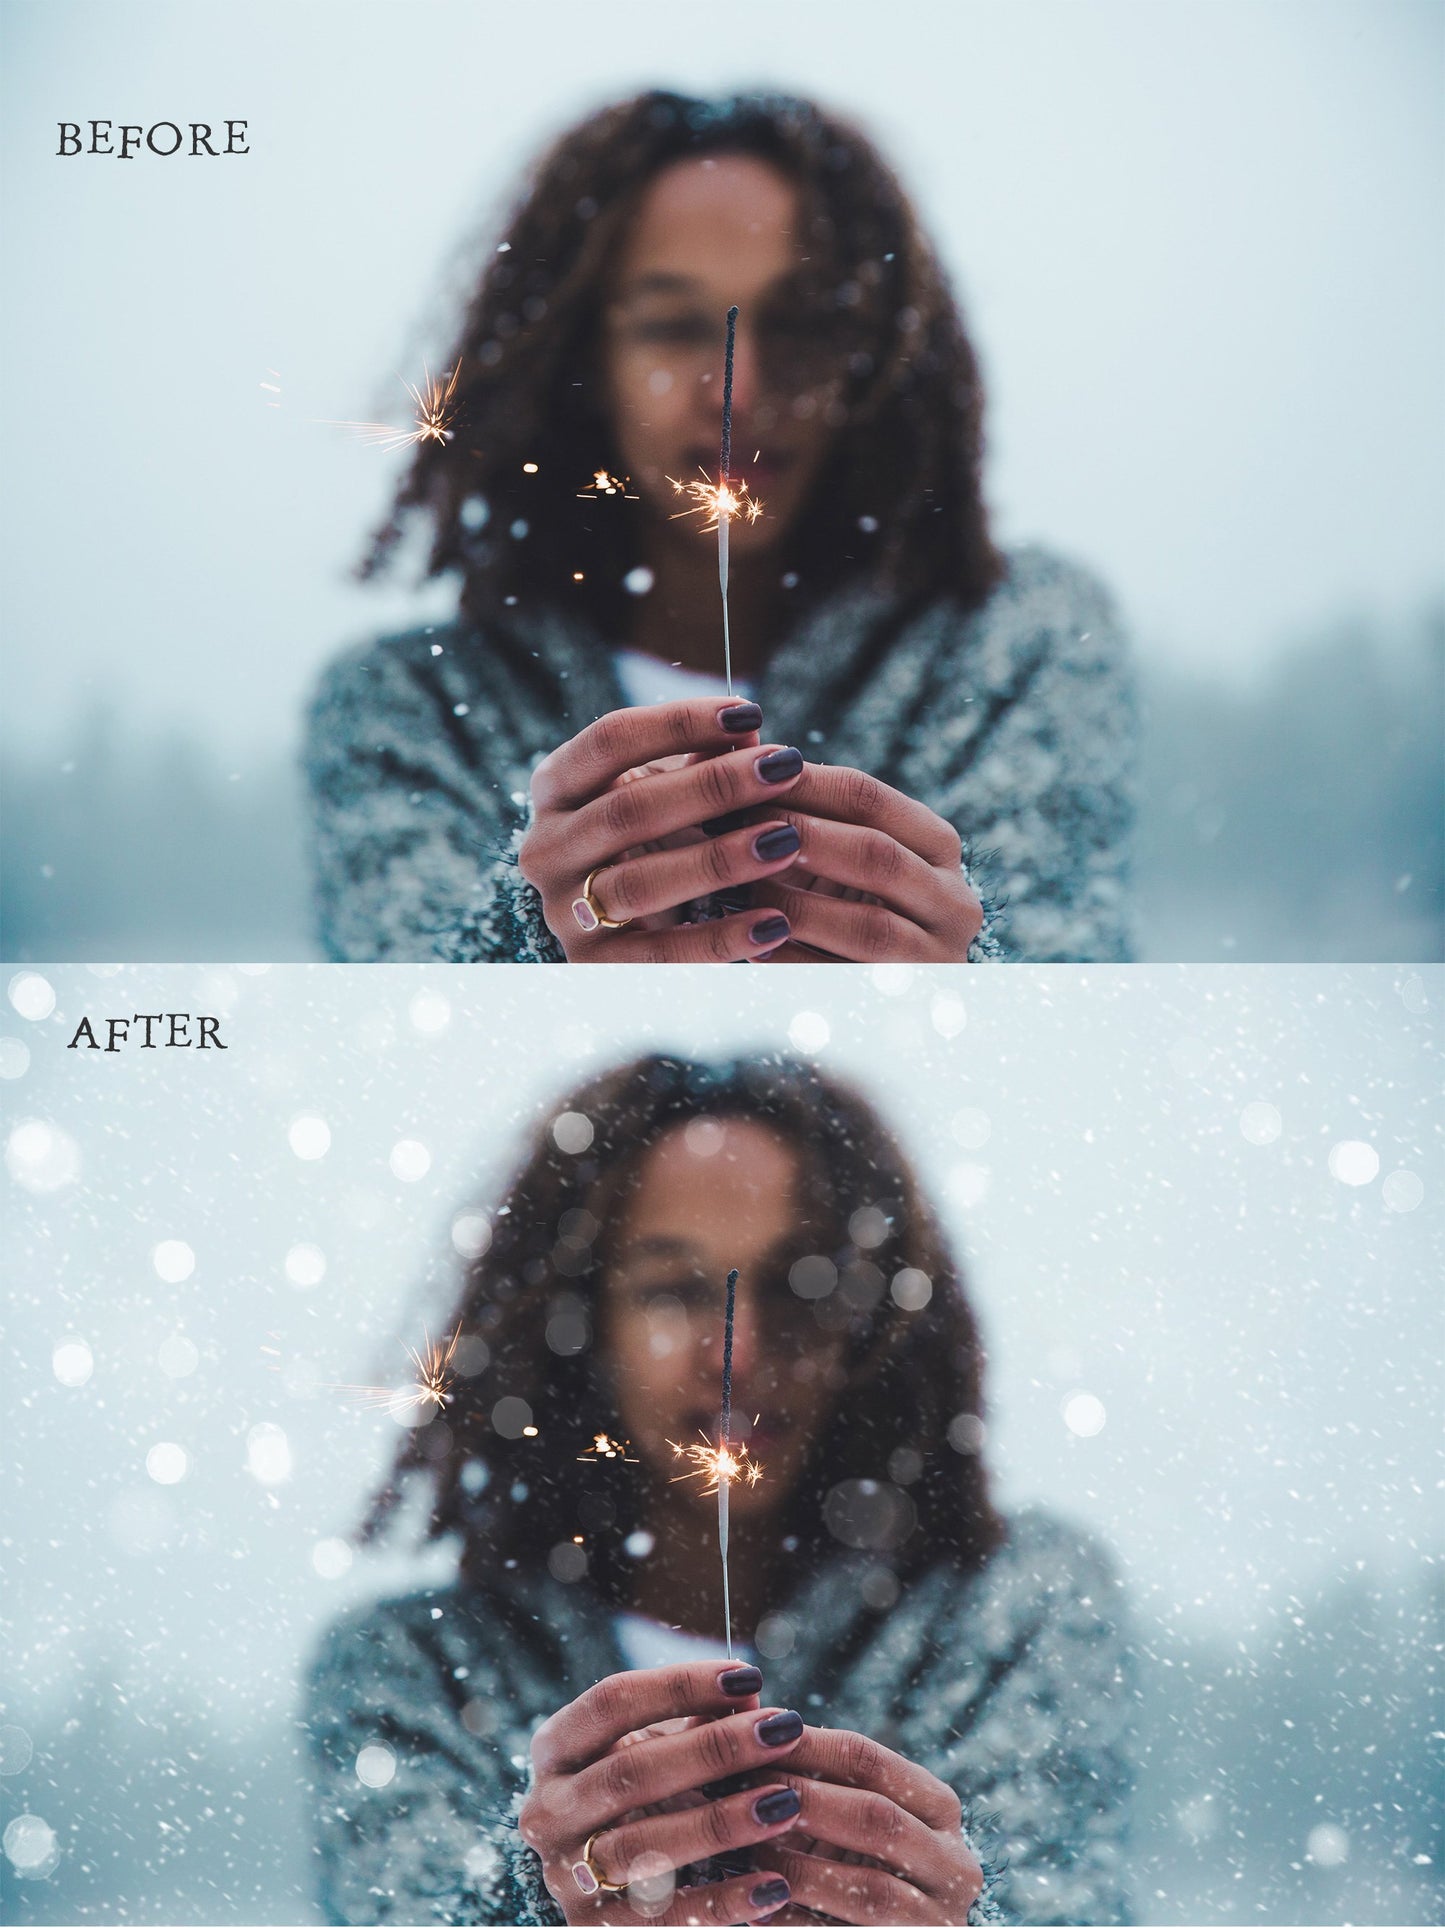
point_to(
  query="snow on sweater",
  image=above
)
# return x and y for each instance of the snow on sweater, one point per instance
(1014, 722)
(1013, 1684)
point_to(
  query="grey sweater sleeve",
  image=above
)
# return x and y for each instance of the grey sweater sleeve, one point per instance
(1035, 767)
(414, 842)
(416, 1818)
(1046, 1751)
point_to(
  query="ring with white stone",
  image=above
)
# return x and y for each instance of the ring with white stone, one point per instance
(590, 914)
(585, 1873)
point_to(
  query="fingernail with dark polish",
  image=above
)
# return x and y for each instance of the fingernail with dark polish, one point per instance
(739, 718)
(739, 1681)
(778, 1729)
(781, 1805)
(770, 1894)
(769, 930)
(781, 841)
(778, 765)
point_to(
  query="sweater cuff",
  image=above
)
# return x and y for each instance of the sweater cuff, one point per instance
(508, 928)
(988, 946)
(525, 1870)
(981, 1834)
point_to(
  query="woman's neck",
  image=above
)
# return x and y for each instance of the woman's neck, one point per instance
(680, 618)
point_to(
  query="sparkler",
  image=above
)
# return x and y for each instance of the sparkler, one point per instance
(605, 484)
(721, 1466)
(430, 1385)
(719, 503)
(435, 404)
(604, 1447)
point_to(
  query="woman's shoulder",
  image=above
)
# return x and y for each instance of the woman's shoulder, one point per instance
(1043, 1566)
(1044, 1549)
(374, 669)
(1046, 594)
(388, 1624)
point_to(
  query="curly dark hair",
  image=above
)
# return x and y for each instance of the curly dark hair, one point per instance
(907, 1416)
(903, 498)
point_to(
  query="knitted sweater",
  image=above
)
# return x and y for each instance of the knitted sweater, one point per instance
(1014, 722)
(1014, 1685)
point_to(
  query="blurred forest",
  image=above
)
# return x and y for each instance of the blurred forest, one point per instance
(1298, 818)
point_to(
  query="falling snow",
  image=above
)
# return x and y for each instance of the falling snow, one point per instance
(1200, 1222)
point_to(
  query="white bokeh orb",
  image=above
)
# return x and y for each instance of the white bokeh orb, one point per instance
(305, 1265)
(167, 1463)
(32, 996)
(1353, 1162)
(1084, 1414)
(410, 1160)
(809, 1031)
(173, 1260)
(72, 1362)
(309, 1136)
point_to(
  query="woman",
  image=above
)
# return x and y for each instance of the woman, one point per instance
(560, 1735)
(914, 706)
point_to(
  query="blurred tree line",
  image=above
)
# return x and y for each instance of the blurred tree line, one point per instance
(1297, 817)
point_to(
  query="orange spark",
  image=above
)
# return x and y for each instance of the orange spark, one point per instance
(429, 1386)
(716, 502)
(716, 1466)
(435, 404)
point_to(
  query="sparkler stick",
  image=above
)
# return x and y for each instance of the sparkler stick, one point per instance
(718, 502)
(727, 1386)
(719, 1466)
(722, 569)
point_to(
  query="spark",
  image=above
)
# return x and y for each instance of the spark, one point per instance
(716, 502)
(604, 484)
(604, 1447)
(435, 404)
(717, 1465)
(430, 1384)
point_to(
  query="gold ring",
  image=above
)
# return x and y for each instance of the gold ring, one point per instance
(587, 1876)
(590, 914)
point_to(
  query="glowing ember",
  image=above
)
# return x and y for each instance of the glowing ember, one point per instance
(605, 484)
(430, 1385)
(435, 404)
(716, 502)
(604, 1447)
(717, 1466)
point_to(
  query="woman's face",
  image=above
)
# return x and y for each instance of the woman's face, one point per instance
(710, 234)
(711, 1195)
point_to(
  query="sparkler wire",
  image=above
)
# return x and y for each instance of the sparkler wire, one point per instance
(722, 527)
(727, 1418)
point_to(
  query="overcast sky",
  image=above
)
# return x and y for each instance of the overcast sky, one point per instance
(1200, 245)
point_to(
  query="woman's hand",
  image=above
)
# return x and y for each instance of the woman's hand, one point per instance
(627, 799)
(879, 1839)
(625, 1765)
(877, 878)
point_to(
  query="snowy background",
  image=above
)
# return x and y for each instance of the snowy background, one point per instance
(1201, 1205)
(1201, 248)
